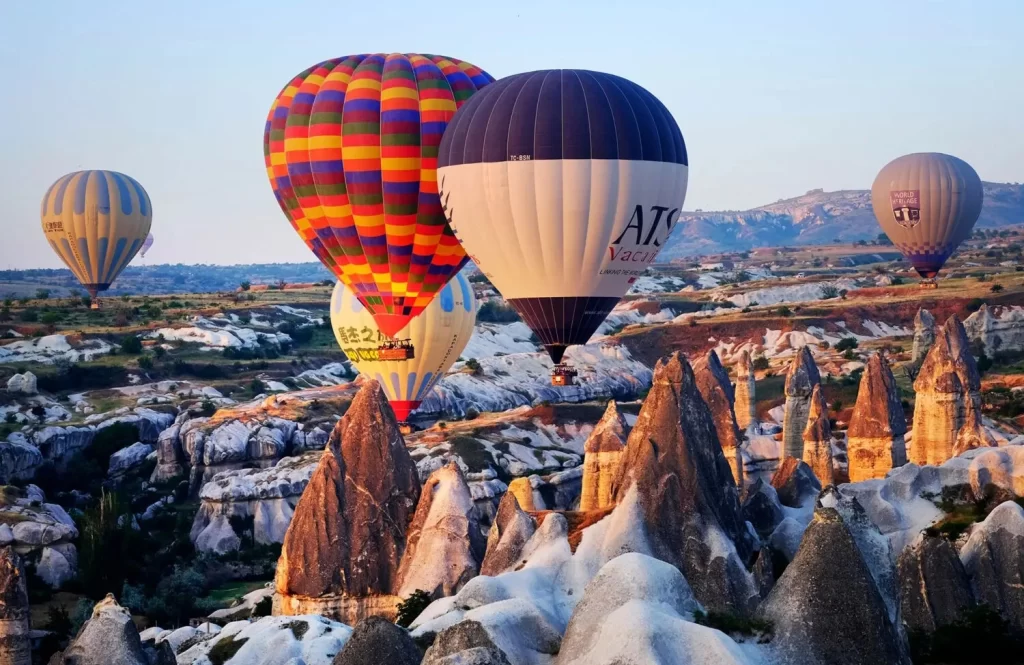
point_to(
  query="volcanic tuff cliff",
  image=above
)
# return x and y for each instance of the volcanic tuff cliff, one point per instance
(817, 217)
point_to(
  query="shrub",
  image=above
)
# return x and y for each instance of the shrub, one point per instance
(996, 288)
(473, 365)
(51, 318)
(146, 363)
(761, 363)
(29, 315)
(159, 351)
(980, 635)
(131, 344)
(784, 311)
(494, 312)
(42, 294)
(245, 284)
(846, 344)
(829, 291)
(256, 387)
(412, 607)
(207, 408)
(975, 304)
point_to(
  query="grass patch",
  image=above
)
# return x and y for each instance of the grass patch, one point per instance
(980, 635)
(228, 593)
(225, 649)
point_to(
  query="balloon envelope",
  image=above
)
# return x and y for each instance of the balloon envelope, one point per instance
(439, 335)
(96, 221)
(562, 185)
(351, 153)
(927, 203)
(146, 245)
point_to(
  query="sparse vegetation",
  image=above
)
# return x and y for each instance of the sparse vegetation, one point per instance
(412, 607)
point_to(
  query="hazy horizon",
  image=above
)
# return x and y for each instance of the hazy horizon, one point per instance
(772, 101)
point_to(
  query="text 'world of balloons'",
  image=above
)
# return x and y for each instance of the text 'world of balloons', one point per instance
(397, 169)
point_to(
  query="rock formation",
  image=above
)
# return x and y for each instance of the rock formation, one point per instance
(795, 483)
(465, 643)
(108, 638)
(341, 553)
(15, 645)
(375, 640)
(924, 335)
(522, 489)
(818, 439)
(948, 387)
(800, 381)
(23, 383)
(762, 508)
(714, 386)
(826, 608)
(972, 435)
(444, 542)
(686, 492)
(602, 452)
(875, 438)
(746, 400)
(996, 329)
(992, 558)
(934, 589)
(510, 531)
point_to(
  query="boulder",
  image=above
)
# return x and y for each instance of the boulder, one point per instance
(762, 509)
(15, 643)
(801, 378)
(284, 640)
(602, 452)
(685, 489)
(948, 387)
(465, 643)
(994, 560)
(997, 330)
(875, 438)
(126, 459)
(149, 423)
(58, 443)
(934, 589)
(511, 529)
(375, 640)
(19, 459)
(745, 391)
(795, 483)
(24, 384)
(817, 437)
(108, 638)
(444, 543)
(714, 386)
(826, 608)
(341, 553)
(924, 335)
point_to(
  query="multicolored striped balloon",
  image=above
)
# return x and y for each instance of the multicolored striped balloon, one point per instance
(351, 152)
(96, 221)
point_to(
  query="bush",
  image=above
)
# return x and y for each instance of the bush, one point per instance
(159, 351)
(51, 318)
(846, 344)
(984, 363)
(256, 387)
(494, 312)
(829, 291)
(980, 635)
(761, 363)
(473, 365)
(146, 363)
(784, 311)
(245, 284)
(42, 294)
(996, 288)
(29, 315)
(131, 344)
(207, 408)
(975, 304)
(412, 607)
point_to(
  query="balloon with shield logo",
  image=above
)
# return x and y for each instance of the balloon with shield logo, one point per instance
(927, 203)
(562, 186)
(440, 334)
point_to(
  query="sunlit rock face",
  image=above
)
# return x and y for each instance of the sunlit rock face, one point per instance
(924, 335)
(716, 389)
(746, 400)
(602, 452)
(875, 438)
(818, 439)
(800, 381)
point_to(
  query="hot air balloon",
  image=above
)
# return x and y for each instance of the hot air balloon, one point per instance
(562, 185)
(440, 333)
(351, 153)
(927, 203)
(96, 221)
(146, 245)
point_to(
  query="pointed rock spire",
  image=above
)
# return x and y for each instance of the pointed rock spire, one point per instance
(875, 439)
(924, 335)
(511, 530)
(445, 543)
(973, 434)
(818, 439)
(934, 589)
(948, 386)
(685, 490)
(522, 489)
(800, 381)
(15, 644)
(342, 550)
(716, 389)
(746, 401)
(602, 452)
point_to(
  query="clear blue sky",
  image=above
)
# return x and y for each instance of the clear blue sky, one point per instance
(774, 98)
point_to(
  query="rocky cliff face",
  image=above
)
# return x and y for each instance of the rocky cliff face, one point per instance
(511, 529)
(41, 532)
(445, 544)
(716, 389)
(934, 589)
(746, 400)
(924, 335)
(108, 637)
(602, 452)
(948, 387)
(875, 438)
(992, 558)
(15, 645)
(685, 490)
(801, 379)
(341, 553)
(818, 439)
(997, 329)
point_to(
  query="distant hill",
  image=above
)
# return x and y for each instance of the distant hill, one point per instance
(817, 217)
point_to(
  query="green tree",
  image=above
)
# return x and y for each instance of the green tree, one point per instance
(42, 294)
(412, 607)
(131, 344)
(107, 545)
(246, 285)
(846, 344)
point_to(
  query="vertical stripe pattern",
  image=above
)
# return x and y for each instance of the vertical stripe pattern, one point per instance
(351, 148)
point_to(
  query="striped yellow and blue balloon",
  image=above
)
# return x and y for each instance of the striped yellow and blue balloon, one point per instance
(96, 221)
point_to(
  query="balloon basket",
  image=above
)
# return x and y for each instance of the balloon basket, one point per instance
(929, 284)
(563, 375)
(95, 304)
(401, 349)
(405, 428)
